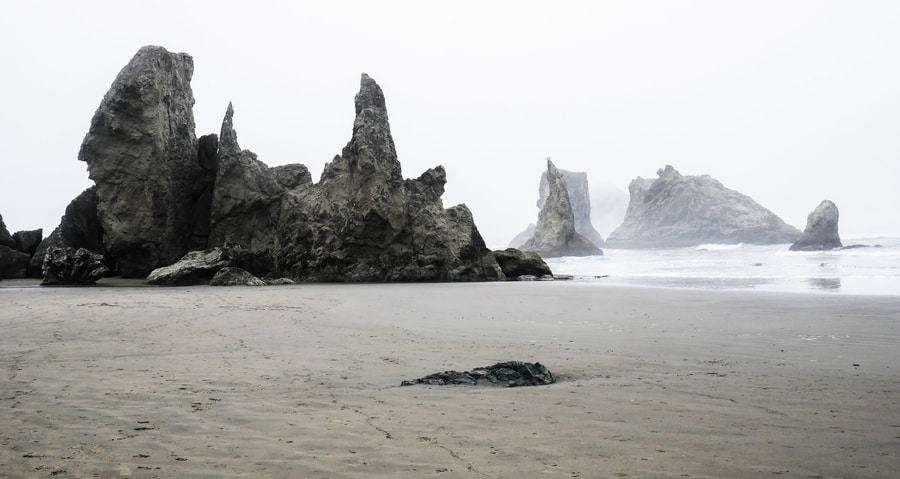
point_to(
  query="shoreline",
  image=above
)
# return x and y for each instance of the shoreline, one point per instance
(303, 381)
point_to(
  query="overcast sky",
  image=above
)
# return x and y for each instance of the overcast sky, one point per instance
(789, 102)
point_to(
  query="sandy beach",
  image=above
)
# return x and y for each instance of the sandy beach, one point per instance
(125, 380)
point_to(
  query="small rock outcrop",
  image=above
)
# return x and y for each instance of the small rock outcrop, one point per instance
(821, 232)
(16, 251)
(196, 267)
(71, 266)
(231, 276)
(509, 373)
(677, 211)
(516, 263)
(79, 228)
(142, 153)
(554, 234)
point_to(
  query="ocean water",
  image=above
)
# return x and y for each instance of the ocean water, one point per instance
(859, 271)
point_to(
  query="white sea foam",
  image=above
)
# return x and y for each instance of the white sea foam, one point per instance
(871, 270)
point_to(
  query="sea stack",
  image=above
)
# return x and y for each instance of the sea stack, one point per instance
(675, 211)
(141, 152)
(555, 234)
(821, 232)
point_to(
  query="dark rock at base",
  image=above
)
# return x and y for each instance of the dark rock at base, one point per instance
(676, 211)
(515, 263)
(6, 239)
(141, 152)
(78, 228)
(231, 276)
(555, 234)
(510, 373)
(71, 266)
(13, 263)
(195, 267)
(28, 241)
(821, 232)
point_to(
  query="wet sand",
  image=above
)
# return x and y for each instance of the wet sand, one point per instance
(122, 380)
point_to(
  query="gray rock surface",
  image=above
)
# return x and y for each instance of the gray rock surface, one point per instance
(28, 241)
(231, 276)
(508, 373)
(554, 234)
(141, 152)
(160, 192)
(579, 198)
(13, 263)
(71, 266)
(516, 263)
(79, 228)
(361, 222)
(196, 267)
(677, 211)
(821, 232)
(6, 239)
(522, 237)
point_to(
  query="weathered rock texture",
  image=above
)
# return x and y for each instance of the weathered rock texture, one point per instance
(79, 228)
(16, 251)
(71, 266)
(677, 211)
(361, 222)
(821, 232)
(160, 193)
(509, 373)
(555, 234)
(516, 263)
(141, 152)
(231, 276)
(579, 198)
(196, 267)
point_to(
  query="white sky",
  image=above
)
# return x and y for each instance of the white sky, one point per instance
(789, 102)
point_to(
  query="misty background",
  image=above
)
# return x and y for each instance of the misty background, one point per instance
(789, 102)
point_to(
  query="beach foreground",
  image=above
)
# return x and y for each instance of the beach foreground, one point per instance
(122, 380)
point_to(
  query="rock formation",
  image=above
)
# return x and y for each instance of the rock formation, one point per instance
(16, 251)
(79, 228)
(516, 263)
(141, 152)
(509, 373)
(361, 222)
(160, 193)
(821, 232)
(71, 266)
(231, 276)
(196, 267)
(677, 211)
(554, 234)
(579, 198)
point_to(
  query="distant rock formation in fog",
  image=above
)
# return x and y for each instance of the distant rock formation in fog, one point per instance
(579, 197)
(677, 211)
(160, 192)
(821, 232)
(555, 234)
(580, 200)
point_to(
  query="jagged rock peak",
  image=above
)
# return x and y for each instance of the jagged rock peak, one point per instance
(669, 172)
(141, 151)
(821, 232)
(228, 142)
(555, 234)
(371, 143)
